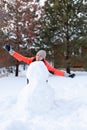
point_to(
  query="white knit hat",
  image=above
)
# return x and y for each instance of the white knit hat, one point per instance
(42, 53)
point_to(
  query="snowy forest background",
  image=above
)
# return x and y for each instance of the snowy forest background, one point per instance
(59, 27)
(47, 102)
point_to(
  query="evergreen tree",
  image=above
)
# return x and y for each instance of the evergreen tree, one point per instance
(64, 22)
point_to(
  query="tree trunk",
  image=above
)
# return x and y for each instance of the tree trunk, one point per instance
(67, 56)
(17, 68)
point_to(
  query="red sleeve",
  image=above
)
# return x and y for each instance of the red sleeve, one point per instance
(54, 70)
(19, 57)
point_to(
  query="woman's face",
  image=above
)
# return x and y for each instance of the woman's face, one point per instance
(38, 57)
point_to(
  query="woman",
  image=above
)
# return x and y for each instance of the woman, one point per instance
(40, 56)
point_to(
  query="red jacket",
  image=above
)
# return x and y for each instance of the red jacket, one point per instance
(27, 60)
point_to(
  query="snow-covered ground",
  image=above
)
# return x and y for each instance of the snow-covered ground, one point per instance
(46, 103)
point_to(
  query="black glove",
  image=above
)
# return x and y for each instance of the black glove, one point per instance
(7, 47)
(71, 75)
